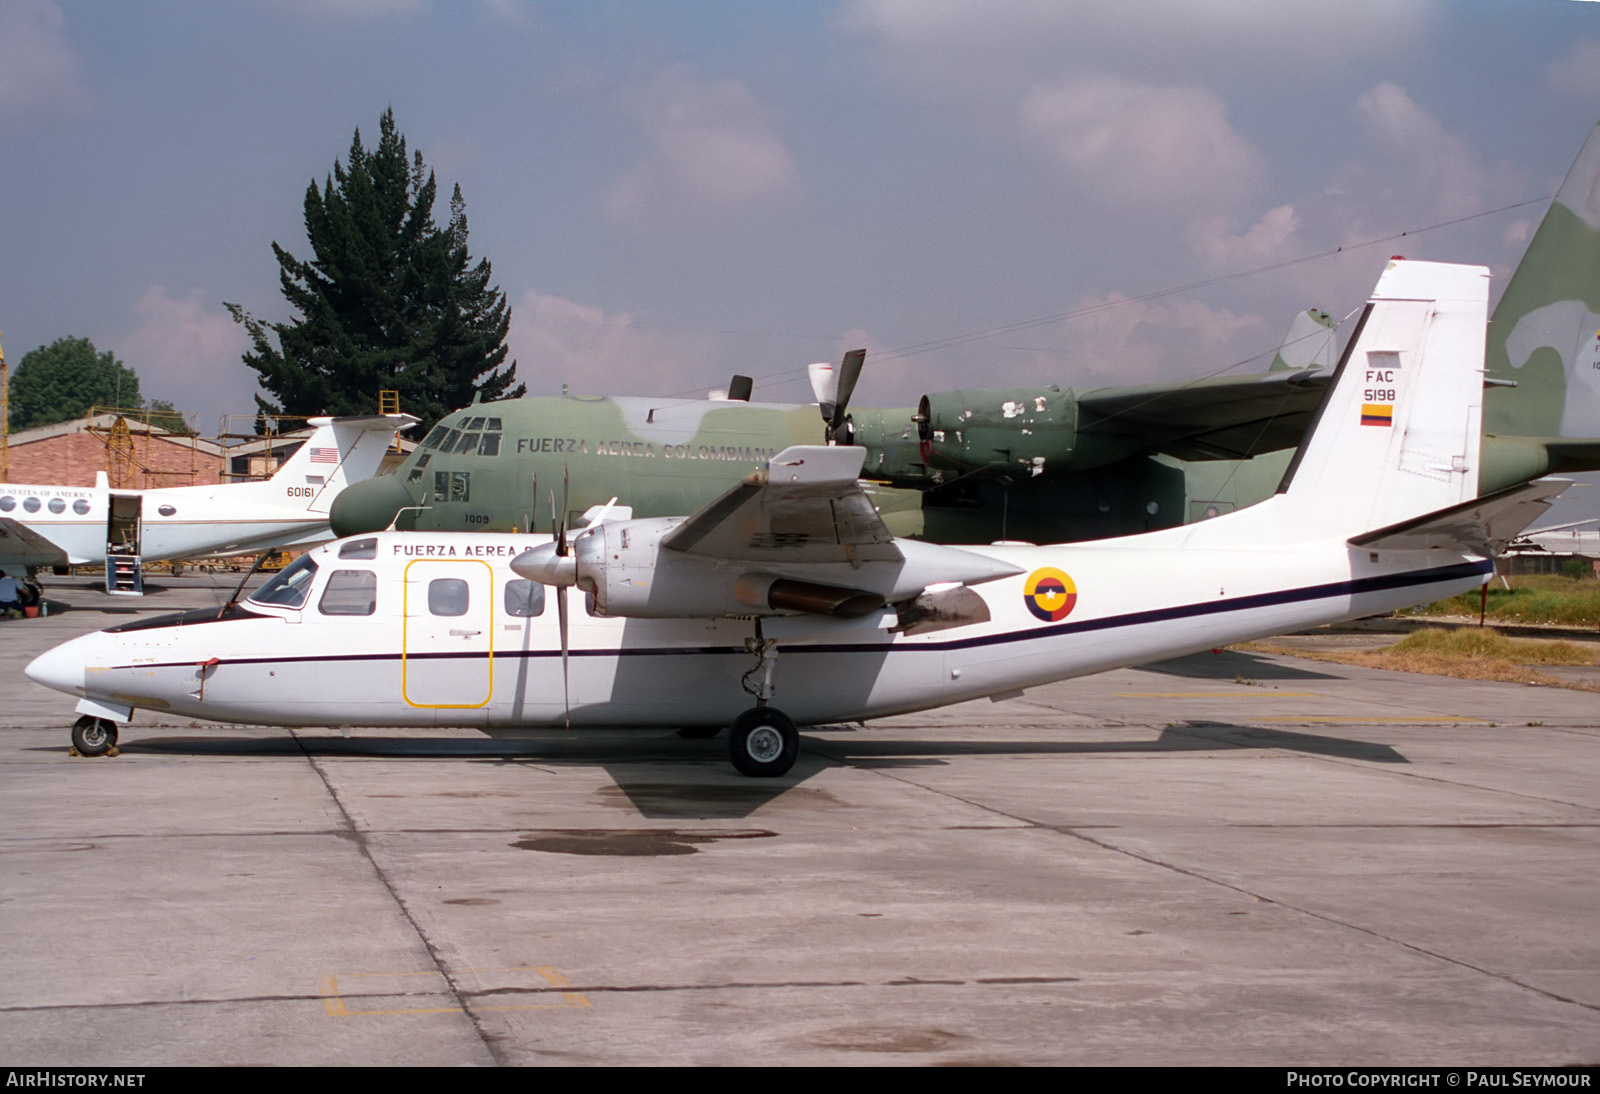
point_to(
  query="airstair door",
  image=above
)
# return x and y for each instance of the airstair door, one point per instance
(448, 638)
(124, 572)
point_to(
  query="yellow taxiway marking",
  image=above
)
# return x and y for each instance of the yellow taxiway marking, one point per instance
(1242, 692)
(333, 999)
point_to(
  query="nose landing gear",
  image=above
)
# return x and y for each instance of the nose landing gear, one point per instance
(93, 736)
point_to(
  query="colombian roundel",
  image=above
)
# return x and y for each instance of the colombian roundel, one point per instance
(1050, 594)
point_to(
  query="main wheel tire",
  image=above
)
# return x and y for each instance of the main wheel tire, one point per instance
(94, 736)
(763, 743)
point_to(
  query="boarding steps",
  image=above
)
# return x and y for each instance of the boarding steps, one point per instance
(124, 575)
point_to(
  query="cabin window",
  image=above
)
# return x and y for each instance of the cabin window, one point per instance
(435, 435)
(490, 445)
(448, 596)
(524, 598)
(168, 511)
(359, 548)
(58, 505)
(467, 445)
(350, 592)
(476, 423)
(291, 587)
(81, 507)
(7, 504)
(31, 504)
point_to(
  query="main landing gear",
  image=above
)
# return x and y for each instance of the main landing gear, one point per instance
(763, 741)
(94, 736)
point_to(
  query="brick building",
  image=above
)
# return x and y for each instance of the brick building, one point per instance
(69, 454)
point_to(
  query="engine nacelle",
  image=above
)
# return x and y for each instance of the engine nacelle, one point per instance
(1017, 431)
(628, 571)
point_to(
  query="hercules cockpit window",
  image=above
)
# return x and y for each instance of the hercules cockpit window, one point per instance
(435, 435)
(452, 486)
(524, 598)
(476, 423)
(350, 592)
(290, 588)
(467, 443)
(490, 445)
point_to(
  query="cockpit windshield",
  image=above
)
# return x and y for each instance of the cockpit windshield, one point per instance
(290, 587)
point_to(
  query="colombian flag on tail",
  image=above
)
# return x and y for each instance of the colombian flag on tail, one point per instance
(1377, 414)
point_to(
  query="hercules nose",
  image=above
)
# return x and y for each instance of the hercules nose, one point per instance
(368, 506)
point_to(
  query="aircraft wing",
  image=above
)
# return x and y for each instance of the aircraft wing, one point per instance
(805, 507)
(22, 546)
(1225, 418)
(1484, 525)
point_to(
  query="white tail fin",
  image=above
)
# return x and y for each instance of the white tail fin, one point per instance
(339, 451)
(1398, 433)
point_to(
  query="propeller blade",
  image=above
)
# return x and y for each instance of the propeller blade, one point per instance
(740, 389)
(849, 373)
(825, 386)
(561, 617)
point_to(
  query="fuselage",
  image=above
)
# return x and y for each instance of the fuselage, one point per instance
(435, 629)
(175, 522)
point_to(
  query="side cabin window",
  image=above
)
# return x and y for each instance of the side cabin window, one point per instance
(448, 596)
(350, 592)
(524, 598)
(359, 549)
(290, 587)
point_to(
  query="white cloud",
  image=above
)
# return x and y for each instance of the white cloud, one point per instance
(188, 355)
(1137, 143)
(41, 75)
(1577, 73)
(555, 340)
(1124, 341)
(713, 153)
(1269, 239)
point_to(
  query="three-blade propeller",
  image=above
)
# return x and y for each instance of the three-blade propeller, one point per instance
(833, 388)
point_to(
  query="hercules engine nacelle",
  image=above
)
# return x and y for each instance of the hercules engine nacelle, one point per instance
(1018, 431)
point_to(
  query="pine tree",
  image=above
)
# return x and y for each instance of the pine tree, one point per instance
(389, 301)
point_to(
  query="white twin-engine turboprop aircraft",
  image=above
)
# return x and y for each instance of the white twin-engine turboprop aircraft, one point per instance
(687, 617)
(74, 525)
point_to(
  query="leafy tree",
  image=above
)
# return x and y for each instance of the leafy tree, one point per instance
(61, 381)
(389, 300)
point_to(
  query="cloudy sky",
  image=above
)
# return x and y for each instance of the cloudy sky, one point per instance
(1017, 192)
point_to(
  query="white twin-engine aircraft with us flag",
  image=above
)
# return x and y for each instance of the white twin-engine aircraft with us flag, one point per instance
(786, 602)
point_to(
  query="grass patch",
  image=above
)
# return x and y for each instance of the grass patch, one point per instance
(1466, 653)
(1533, 600)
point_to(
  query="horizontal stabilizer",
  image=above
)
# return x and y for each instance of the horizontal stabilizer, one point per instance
(1483, 526)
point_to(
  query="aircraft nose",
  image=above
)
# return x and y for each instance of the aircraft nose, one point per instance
(368, 506)
(60, 668)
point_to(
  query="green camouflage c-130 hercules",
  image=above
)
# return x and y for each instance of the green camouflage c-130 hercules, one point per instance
(1045, 464)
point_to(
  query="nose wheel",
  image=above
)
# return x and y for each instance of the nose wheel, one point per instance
(763, 742)
(94, 736)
